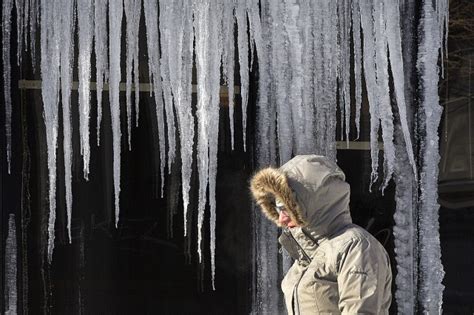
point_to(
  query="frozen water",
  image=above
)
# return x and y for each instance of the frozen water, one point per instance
(151, 20)
(370, 80)
(100, 32)
(67, 61)
(132, 10)
(50, 59)
(115, 27)
(431, 270)
(392, 18)
(243, 49)
(228, 53)
(85, 17)
(165, 39)
(356, 38)
(6, 37)
(20, 27)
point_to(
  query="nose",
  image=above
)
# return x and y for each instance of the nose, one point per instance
(283, 218)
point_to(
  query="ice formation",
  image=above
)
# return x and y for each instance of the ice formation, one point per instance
(101, 55)
(6, 36)
(115, 33)
(50, 76)
(307, 54)
(66, 64)
(85, 24)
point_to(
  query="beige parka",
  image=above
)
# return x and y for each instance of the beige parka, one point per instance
(339, 267)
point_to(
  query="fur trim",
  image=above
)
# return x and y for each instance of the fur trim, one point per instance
(271, 183)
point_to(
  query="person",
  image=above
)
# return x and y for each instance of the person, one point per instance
(339, 267)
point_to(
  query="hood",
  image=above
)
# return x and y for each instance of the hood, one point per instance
(313, 190)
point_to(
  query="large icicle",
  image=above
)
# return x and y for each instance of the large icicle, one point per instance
(11, 293)
(165, 76)
(33, 21)
(431, 270)
(151, 20)
(344, 18)
(385, 107)
(305, 24)
(280, 88)
(85, 16)
(267, 295)
(50, 55)
(295, 72)
(67, 61)
(215, 47)
(228, 54)
(178, 22)
(100, 36)
(392, 18)
(132, 14)
(202, 35)
(20, 27)
(406, 188)
(115, 27)
(370, 80)
(6, 38)
(356, 38)
(243, 49)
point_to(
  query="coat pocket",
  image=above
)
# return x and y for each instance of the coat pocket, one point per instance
(326, 295)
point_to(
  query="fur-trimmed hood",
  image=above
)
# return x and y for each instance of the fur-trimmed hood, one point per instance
(313, 190)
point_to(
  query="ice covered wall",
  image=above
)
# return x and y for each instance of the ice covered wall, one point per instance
(311, 55)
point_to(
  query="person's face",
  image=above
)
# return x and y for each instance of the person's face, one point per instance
(284, 219)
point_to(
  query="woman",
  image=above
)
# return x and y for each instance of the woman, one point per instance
(339, 267)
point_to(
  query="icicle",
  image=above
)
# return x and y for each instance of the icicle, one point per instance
(6, 37)
(50, 58)
(295, 74)
(165, 76)
(202, 34)
(67, 61)
(243, 46)
(280, 69)
(306, 25)
(85, 15)
(392, 18)
(181, 63)
(370, 81)
(100, 32)
(20, 21)
(26, 19)
(151, 20)
(385, 112)
(266, 299)
(431, 270)
(216, 47)
(34, 20)
(11, 293)
(228, 61)
(403, 230)
(132, 13)
(344, 33)
(357, 63)
(325, 81)
(115, 27)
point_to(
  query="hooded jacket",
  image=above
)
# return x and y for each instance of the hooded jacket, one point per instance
(339, 267)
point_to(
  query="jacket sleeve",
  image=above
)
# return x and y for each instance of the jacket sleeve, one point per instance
(364, 278)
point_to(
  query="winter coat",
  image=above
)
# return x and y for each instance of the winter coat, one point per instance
(339, 267)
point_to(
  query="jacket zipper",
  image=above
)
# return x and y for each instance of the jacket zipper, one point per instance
(295, 292)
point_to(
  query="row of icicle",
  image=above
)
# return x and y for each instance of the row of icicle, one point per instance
(303, 49)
